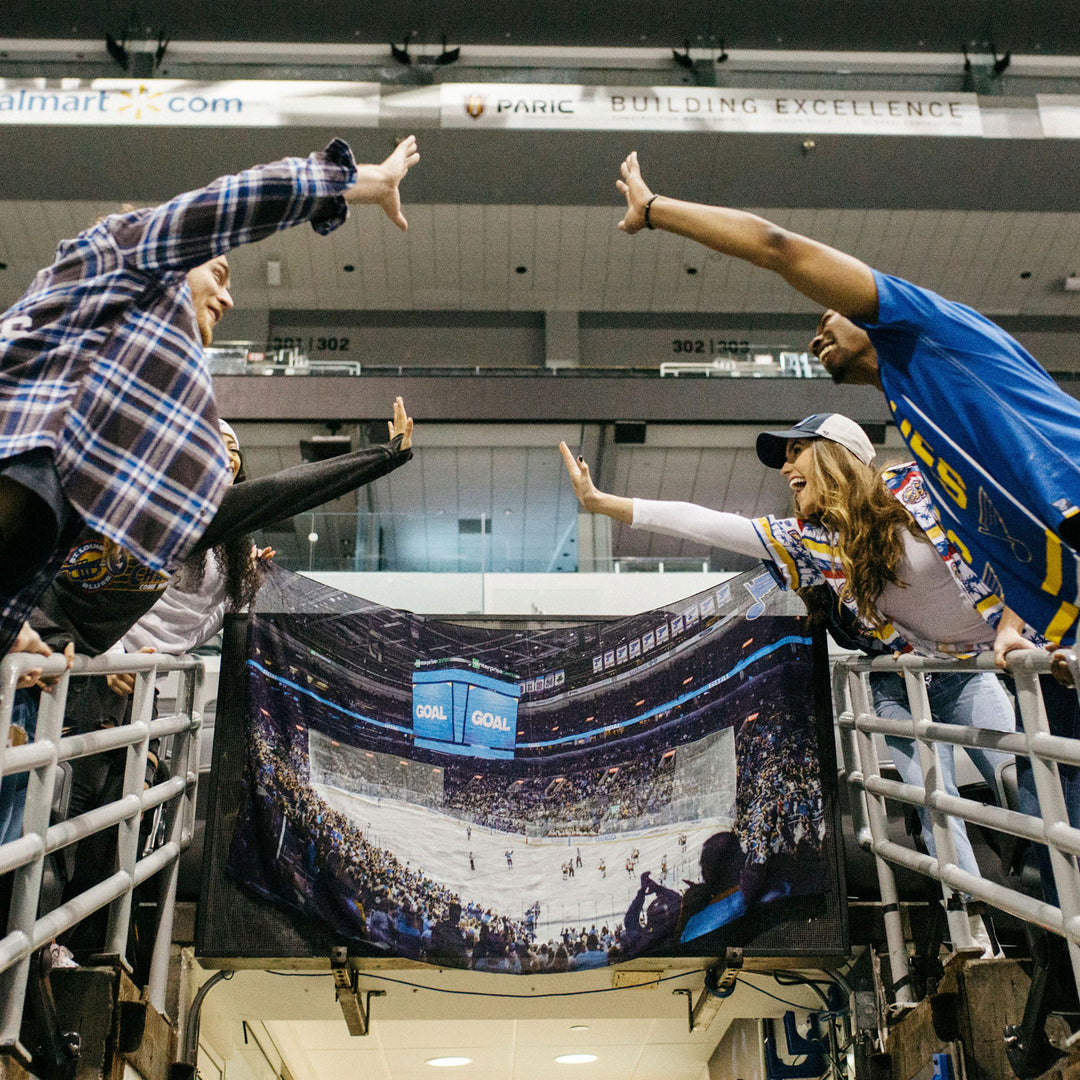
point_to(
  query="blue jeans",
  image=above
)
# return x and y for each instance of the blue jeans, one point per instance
(972, 700)
(13, 787)
(1063, 717)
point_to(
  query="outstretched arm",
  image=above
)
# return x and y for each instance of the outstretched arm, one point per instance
(193, 228)
(827, 276)
(253, 504)
(379, 184)
(688, 521)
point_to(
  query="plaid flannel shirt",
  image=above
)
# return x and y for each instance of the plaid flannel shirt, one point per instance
(101, 360)
(803, 554)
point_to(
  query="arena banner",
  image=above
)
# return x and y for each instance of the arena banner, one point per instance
(734, 109)
(1059, 115)
(182, 103)
(493, 106)
(532, 800)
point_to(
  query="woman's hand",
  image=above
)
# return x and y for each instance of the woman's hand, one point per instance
(29, 641)
(122, 683)
(584, 488)
(596, 502)
(401, 424)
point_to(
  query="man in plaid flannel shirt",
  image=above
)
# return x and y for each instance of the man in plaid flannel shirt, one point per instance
(107, 414)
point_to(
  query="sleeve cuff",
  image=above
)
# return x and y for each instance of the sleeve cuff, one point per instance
(334, 211)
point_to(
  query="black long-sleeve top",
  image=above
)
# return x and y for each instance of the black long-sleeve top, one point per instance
(101, 592)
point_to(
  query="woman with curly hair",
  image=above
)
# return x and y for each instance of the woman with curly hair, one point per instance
(207, 586)
(896, 582)
(226, 570)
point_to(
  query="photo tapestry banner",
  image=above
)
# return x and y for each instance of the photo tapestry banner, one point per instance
(529, 801)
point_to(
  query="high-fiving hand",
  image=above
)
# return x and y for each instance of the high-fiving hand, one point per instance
(380, 184)
(401, 424)
(637, 194)
(584, 488)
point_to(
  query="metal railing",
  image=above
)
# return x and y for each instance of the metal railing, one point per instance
(858, 724)
(24, 858)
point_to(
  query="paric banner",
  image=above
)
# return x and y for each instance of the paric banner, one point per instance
(180, 103)
(1059, 115)
(535, 801)
(681, 108)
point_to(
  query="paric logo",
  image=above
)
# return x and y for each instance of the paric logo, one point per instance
(474, 106)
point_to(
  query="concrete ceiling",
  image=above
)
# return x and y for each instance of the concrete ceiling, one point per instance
(511, 1028)
(1047, 27)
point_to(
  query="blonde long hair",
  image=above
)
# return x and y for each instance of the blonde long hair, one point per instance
(866, 518)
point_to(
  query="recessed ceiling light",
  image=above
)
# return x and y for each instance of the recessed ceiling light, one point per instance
(448, 1062)
(579, 1027)
(575, 1059)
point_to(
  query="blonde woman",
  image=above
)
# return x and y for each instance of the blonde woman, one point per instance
(898, 583)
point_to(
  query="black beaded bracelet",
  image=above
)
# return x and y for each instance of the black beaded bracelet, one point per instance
(648, 206)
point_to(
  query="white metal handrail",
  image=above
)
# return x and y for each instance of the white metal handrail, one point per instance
(27, 930)
(858, 723)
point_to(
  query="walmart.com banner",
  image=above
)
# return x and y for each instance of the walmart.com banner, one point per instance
(536, 801)
(180, 103)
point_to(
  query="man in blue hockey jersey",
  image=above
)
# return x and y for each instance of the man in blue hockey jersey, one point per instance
(997, 441)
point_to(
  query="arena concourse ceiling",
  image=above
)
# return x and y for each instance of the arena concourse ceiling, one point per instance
(1047, 27)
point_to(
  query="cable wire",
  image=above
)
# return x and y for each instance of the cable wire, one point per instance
(486, 994)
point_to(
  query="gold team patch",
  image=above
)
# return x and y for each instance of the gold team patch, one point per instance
(97, 564)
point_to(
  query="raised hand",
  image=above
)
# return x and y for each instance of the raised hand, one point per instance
(596, 502)
(379, 184)
(401, 424)
(637, 194)
(584, 488)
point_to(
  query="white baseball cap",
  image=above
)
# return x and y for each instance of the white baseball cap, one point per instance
(772, 445)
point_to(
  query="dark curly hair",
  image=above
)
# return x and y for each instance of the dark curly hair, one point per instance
(242, 572)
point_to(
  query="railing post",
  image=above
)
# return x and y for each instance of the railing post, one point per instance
(127, 847)
(180, 817)
(930, 762)
(1052, 805)
(28, 932)
(26, 880)
(859, 695)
